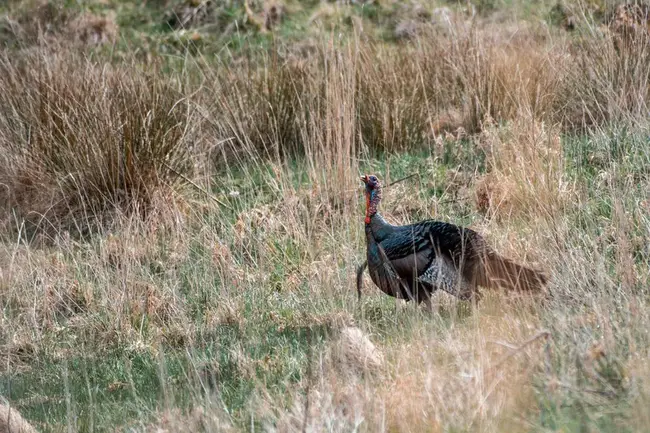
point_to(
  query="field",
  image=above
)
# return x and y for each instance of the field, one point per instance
(181, 216)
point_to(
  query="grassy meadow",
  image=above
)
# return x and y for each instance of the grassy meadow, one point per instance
(181, 216)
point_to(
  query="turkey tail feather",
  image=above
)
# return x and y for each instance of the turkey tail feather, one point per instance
(360, 270)
(506, 273)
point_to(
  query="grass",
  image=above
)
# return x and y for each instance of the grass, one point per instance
(181, 225)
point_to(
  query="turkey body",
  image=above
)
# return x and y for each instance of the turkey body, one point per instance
(413, 261)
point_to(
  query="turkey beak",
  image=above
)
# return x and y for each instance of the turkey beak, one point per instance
(364, 179)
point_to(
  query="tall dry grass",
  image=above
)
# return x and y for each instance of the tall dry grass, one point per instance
(84, 143)
(279, 145)
(607, 79)
(331, 106)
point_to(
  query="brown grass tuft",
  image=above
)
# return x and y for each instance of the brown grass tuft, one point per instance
(84, 145)
(606, 79)
(526, 175)
(472, 378)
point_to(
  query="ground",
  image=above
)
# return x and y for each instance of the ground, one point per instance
(182, 218)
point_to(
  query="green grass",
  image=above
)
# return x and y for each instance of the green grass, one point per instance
(98, 386)
(143, 26)
(225, 284)
(277, 328)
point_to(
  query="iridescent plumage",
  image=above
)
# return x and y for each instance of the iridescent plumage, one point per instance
(413, 261)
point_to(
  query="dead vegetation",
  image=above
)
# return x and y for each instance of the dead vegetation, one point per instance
(212, 211)
(43, 23)
(526, 171)
(84, 145)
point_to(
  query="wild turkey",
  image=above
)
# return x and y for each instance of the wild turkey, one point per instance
(413, 261)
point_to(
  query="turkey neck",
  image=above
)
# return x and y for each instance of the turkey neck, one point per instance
(373, 198)
(378, 228)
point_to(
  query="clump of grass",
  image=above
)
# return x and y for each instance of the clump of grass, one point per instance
(33, 22)
(401, 96)
(525, 170)
(455, 76)
(83, 144)
(261, 109)
(607, 80)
